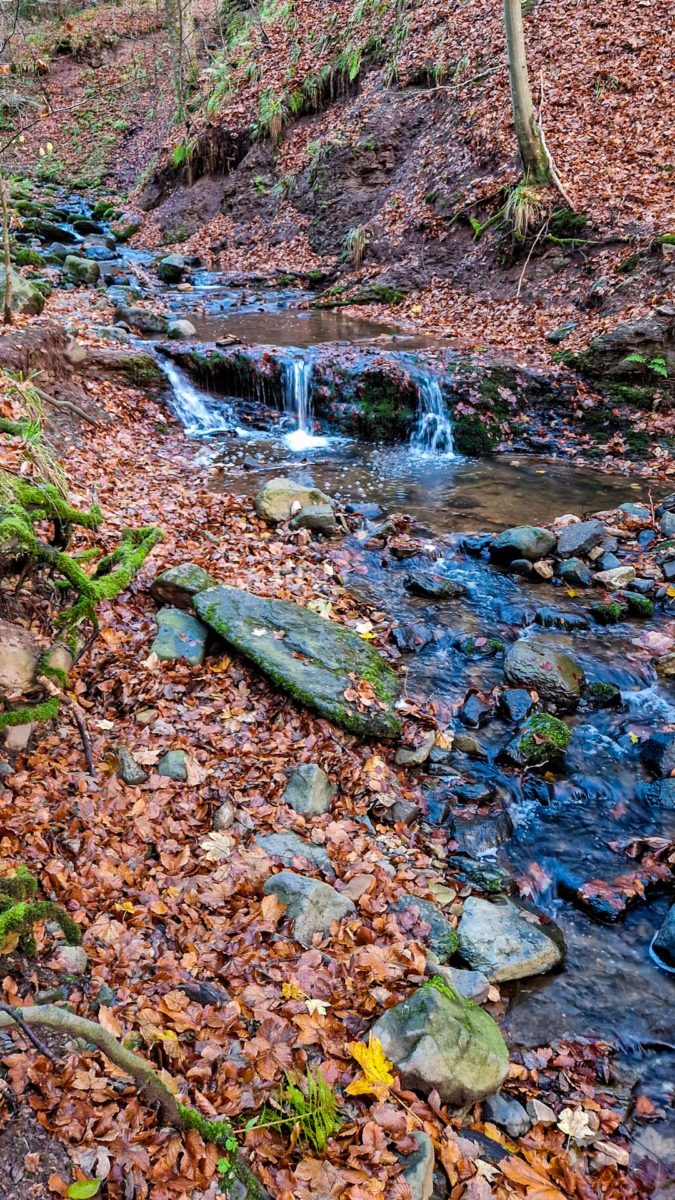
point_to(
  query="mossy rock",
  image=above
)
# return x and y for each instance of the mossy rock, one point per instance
(27, 297)
(314, 660)
(541, 739)
(81, 270)
(609, 612)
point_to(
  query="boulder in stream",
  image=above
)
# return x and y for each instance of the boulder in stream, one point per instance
(433, 586)
(142, 320)
(318, 518)
(172, 268)
(506, 940)
(534, 663)
(178, 331)
(541, 739)
(81, 270)
(579, 538)
(522, 541)
(316, 661)
(439, 1041)
(281, 498)
(658, 753)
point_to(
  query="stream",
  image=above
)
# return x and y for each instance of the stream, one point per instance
(554, 828)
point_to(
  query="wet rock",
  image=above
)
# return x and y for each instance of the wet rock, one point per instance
(404, 812)
(637, 605)
(658, 753)
(667, 524)
(173, 765)
(99, 254)
(665, 665)
(81, 270)
(224, 816)
(555, 618)
(575, 573)
(480, 647)
(482, 835)
(537, 665)
(19, 654)
(438, 1041)
(474, 546)
(318, 518)
(316, 660)
(668, 570)
(288, 848)
(281, 498)
(617, 577)
(521, 566)
(664, 942)
(515, 704)
(178, 331)
(436, 587)
(180, 636)
(474, 711)
(372, 512)
(579, 539)
(506, 1112)
(465, 743)
(309, 790)
(84, 226)
(128, 770)
(507, 941)
(179, 585)
(473, 793)
(608, 612)
(643, 587)
(415, 756)
(542, 739)
(603, 695)
(412, 638)
(482, 875)
(419, 1167)
(313, 905)
(442, 938)
(523, 541)
(71, 960)
(5, 769)
(662, 793)
(172, 268)
(142, 320)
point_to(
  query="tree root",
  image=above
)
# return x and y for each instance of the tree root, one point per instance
(156, 1091)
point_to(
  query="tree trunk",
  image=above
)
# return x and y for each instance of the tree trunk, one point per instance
(7, 299)
(530, 145)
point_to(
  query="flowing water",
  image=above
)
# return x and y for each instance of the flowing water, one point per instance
(554, 830)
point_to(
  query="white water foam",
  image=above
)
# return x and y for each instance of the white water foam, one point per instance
(199, 414)
(433, 431)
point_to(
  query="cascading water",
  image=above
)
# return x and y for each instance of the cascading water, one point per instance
(196, 411)
(297, 390)
(433, 431)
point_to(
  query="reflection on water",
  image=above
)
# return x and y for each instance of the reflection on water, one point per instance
(301, 328)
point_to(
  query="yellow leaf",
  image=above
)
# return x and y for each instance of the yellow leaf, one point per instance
(416, 309)
(124, 906)
(292, 991)
(377, 1069)
(571, 592)
(671, 591)
(633, 737)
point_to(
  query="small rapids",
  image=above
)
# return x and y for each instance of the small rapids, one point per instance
(433, 431)
(297, 391)
(198, 413)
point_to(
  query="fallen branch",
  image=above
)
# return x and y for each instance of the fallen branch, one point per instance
(68, 406)
(155, 1090)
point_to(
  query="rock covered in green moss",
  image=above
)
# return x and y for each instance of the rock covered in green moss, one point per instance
(541, 739)
(26, 296)
(180, 584)
(480, 647)
(172, 268)
(537, 664)
(81, 270)
(439, 1041)
(180, 636)
(602, 695)
(637, 605)
(608, 612)
(316, 661)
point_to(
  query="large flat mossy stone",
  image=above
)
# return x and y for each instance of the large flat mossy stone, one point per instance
(313, 659)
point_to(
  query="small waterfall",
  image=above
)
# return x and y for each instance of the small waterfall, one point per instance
(199, 415)
(433, 431)
(297, 389)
